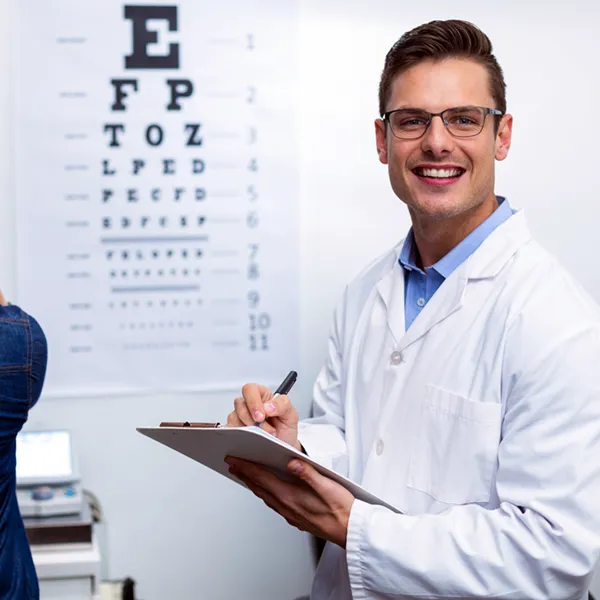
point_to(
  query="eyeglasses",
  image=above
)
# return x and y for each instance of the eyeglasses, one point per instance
(461, 122)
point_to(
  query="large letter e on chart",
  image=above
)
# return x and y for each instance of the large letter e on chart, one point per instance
(142, 37)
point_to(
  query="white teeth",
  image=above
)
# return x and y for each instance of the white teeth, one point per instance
(439, 172)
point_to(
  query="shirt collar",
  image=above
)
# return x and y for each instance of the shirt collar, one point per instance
(462, 250)
(407, 254)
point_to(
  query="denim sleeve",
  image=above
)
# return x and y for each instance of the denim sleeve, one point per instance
(23, 360)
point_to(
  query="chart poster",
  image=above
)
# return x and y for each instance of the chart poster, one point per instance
(156, 182)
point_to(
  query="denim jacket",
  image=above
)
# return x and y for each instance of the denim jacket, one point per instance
(23, 359)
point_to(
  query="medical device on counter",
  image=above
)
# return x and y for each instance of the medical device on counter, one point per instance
(48, 483)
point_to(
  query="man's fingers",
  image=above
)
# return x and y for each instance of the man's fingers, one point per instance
(242, 411)
(241, 417)
(265, 426)
(3, 301)
(272, 497)
(233, 420)
(280, 406)
(254, 396)
(260, 404)
(258, 474)
(266, 496)
(306, 473)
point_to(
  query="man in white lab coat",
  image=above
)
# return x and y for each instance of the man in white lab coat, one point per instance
(462, 384)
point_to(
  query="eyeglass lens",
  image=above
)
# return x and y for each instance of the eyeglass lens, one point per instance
(461, 122)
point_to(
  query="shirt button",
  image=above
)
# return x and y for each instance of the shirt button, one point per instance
(379, 448)
(421, 302)
(396, 357)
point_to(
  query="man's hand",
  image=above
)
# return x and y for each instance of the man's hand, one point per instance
(315, 504)
(276, 414)
(3, 301)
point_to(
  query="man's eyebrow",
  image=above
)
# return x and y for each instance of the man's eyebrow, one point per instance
(409, 108)
(454, 107)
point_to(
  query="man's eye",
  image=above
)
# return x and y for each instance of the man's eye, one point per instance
(466, 119)
(463, 120)
(412, 122)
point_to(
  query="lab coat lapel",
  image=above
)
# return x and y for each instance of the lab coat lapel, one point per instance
(391, 291)
(446, 300)
(485, 262)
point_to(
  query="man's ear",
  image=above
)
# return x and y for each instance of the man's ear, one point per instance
(503, 137)
(381, 139)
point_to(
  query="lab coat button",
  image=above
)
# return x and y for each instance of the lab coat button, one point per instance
(379, 448)
(396, 357)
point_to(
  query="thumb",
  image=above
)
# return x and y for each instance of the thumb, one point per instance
(281, 407)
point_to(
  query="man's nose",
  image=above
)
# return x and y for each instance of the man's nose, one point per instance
(437, 140)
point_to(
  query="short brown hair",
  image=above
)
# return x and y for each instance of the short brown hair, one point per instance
(438, 40)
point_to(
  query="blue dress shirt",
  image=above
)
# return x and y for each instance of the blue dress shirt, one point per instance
(420, 285)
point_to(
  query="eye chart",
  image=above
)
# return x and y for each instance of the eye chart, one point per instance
(156, 186)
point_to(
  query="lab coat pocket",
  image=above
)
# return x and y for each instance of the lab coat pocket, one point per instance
(454, 447)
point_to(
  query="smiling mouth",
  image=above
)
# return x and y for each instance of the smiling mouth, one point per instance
(452, 173)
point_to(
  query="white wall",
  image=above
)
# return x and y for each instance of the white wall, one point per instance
(179, 531)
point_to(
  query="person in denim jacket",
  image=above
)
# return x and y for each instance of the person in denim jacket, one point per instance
(23, 359)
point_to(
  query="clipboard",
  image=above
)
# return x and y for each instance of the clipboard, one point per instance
(210, 443)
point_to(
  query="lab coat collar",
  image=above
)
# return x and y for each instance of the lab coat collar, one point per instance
(485, 262)
(500, 246)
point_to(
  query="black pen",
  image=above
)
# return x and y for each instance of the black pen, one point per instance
(284, 387)
(287, 384)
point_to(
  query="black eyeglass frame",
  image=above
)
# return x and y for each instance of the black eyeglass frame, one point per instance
(486, 111)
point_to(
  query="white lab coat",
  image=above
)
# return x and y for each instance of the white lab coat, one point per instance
(481, 423)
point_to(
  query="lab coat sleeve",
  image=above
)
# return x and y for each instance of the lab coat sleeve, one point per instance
(543, 540)
(323, 434)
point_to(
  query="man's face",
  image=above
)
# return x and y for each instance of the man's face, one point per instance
(414, 164)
